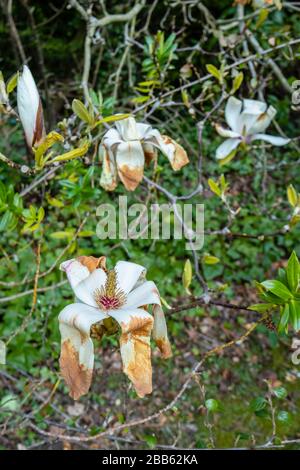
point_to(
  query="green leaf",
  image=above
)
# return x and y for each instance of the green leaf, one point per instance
(295, 314)
(263, 15)
(75, 153)
(40, 214)
(113, 118)
(5, 221)
(2, 192)
(214, 187)
(215, 72)
(82, 112)
(212, 405)
(284, 417)
(12, 83)
(261, 307)
(258, 404)
(292, 272)
(150, 440)
(61, 235)
(280, 392)
(238, 80)
(277, 288)
(224, 161)
(10, 402)
(209, 259)
(283, 324)
(2, 352)
(292, 195)
(187, 275)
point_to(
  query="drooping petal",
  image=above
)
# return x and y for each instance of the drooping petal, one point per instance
(86, 289)
(30, 109)
(178, 158)
(263, 121)
(108, 179)
(232, 113)
(130, 163)
(78, 269)
(150, 153)
(226, 132)
(227, 147)
(128, 275)
(136, 326)
(272, 139)
(77, 350)
(160, 332)
(147, 294)
(111, 139)
(154, 137)
(175, 153)
(127, 128)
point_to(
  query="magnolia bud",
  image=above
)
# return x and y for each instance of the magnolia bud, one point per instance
(30, 109)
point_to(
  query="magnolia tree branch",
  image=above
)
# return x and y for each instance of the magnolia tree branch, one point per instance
(92, 23)
(206, 77)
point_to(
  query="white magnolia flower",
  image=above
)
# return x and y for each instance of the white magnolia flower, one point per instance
(104, 299)
(125, 149)
(247, 121)
(30, 109)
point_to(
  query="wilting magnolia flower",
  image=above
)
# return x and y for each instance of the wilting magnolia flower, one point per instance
(247, 121)
(106, 299)
(124, 150)
(30, 109)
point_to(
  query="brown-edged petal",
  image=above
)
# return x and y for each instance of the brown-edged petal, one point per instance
(136, 326)
(77, 350)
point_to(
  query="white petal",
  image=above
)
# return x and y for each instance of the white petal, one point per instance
(254, 107)
(227, 147)
(263, 121)
(226, 132)
(160, 332)
(78, 269)
(274, 140)
(142, 129)
(108, 179)
(77, 350)
(111, 138)
(178, 158)
(81, 317)
(136, 325)
(130, 161)
(246, 122)
(127, 129)
(128, 275)
(153, 136)
(170, 148)
(85, 290)
(145, 294)
(30, 108)
(232, 113)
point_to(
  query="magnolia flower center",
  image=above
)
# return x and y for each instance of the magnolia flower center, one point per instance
(110, 297)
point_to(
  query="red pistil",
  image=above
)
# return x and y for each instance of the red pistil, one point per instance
(108, 303)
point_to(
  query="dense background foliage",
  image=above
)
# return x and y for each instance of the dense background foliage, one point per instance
(247, 395)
